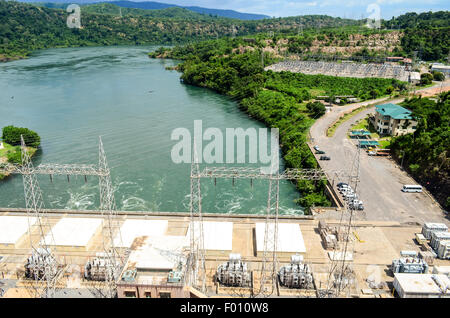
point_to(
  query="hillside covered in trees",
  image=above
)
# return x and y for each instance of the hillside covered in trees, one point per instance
(26, 27)
(425, 153)
(281, 100)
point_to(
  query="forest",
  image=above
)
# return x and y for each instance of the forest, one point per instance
(425, 153)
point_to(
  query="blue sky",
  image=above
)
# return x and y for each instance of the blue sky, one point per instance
(349, 9)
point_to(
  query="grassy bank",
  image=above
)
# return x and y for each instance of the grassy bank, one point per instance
(12, 154)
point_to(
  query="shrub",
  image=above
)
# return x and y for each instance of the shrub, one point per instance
(11, 135)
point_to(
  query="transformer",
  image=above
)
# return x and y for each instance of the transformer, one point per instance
(411, 265)
(41, 263)
(428, 228)
(437, 237)
(296, 274)
(96, 269)
(234, 272)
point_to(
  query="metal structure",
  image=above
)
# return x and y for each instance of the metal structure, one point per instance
(269, 265)
(234, 272)
(42, 265)
(296, 274)
(341, 276)
(34, 205)
(196, 267)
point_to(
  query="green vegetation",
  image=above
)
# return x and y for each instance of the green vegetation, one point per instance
(438, 76)
(366, 125)
(11, 135)
(425, 153)
(426, 79)
(276, 99)
(27, 27)
(332, 129)
(11, 151)
(427, 33)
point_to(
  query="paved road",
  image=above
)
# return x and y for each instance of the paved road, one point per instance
(381, 179)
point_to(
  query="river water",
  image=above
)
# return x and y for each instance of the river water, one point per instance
(73, 96)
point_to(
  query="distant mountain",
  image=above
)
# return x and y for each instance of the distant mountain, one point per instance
(219, 12)
(151, 5)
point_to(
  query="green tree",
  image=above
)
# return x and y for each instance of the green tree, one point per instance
(317, 109)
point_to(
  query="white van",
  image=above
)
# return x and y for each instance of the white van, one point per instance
(412, 188)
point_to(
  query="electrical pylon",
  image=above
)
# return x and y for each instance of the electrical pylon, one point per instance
(269, 264)
(339, 276)
(196, 264)
(34, 203)
(45, 268)
(110, 227)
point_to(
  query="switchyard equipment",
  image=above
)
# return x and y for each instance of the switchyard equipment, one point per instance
(268, 277)
(411, 265)
(428, 228)
(296, 274)
(99, 268)
(41, 264)
(34, 205)
(234, 272)
(437, 237)
(443, 250)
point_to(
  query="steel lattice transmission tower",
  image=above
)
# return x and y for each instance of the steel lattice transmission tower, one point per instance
(340, 274)
(196, 262)
(45, 269)
(269, 263)
(111, 224)
(34, 204)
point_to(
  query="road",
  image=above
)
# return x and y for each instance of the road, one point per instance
(381, 179)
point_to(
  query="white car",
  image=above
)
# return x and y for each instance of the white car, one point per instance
(316, 148)
(372, 153)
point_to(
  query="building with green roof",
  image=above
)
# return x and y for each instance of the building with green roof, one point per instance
(394, 120)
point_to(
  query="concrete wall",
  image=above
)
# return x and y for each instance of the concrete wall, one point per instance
(151, 291)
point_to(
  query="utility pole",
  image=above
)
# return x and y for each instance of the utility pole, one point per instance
(269, 265)
(196, 261)
(34, 204)
(42, 265)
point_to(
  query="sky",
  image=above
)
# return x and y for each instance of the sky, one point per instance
(355, 9)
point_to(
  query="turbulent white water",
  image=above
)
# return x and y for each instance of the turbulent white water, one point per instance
(72, 96)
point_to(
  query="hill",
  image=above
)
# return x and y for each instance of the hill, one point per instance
(214, 12)
(151, 5)
(25, 27)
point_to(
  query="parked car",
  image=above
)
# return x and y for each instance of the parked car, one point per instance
(325, 158)
(345, 189)
(356, 204)
(341, 184)
(372, 153)
(316, 147)
(320, 152)
(351, 196)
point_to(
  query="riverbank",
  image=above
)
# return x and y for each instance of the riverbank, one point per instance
(11, 154)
